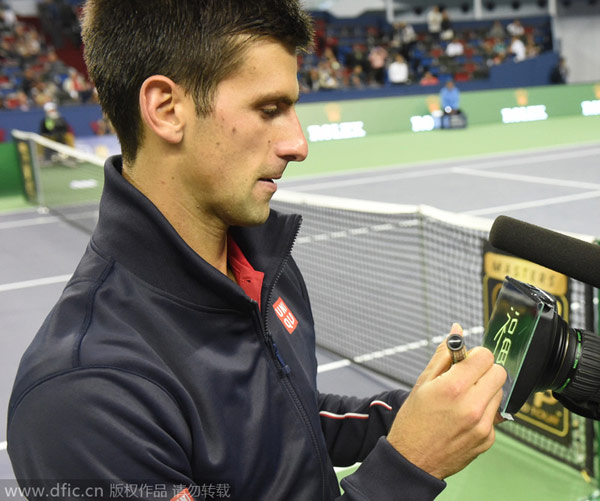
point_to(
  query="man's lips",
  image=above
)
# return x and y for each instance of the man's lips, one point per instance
(271, 179)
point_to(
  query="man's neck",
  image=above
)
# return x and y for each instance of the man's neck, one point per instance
(208, 240)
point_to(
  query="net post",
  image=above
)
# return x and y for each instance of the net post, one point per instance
(29, 166)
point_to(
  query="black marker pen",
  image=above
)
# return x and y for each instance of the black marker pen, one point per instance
(456, 347)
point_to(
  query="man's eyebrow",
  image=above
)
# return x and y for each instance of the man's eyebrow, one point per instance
(276, 97)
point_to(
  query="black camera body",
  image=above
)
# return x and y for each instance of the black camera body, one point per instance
(541, 352)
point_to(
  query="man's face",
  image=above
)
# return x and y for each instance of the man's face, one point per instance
(234, 156)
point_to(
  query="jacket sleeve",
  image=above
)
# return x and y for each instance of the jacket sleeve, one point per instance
(352, 426)
(354, 431)
(386, 474)
(126, 434)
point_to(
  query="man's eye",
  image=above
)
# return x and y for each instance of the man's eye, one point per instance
(270, 111)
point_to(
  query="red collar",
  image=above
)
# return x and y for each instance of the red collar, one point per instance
(246, 276)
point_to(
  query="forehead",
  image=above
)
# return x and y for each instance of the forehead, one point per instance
(268, 67)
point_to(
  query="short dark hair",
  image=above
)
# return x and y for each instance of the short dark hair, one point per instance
(195, 43)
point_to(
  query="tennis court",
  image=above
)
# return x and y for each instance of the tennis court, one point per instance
(547, 174)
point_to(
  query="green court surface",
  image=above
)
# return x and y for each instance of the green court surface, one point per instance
(68, 185)
(404, 148)
(13, 202)
(516, 472)
(511, 471)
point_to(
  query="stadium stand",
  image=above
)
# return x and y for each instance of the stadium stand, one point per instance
(481, 51)
(41, 58)
(41, 61)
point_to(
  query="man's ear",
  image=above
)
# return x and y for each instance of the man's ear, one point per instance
(161, 107)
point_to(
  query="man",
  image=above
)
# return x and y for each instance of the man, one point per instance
(517, 49)
(181, 354)
(434, 22)
(450, 98)
(55, 127)
(398, 71)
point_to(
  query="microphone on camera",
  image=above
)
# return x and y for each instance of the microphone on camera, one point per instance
(567, 255)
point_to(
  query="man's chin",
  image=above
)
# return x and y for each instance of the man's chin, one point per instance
(254, 219)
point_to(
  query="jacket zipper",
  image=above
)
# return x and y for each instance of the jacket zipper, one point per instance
(284, 370)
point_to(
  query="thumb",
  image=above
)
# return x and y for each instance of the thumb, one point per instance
(441, 361)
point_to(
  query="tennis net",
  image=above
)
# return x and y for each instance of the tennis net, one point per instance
(61, 179)
(386, 281)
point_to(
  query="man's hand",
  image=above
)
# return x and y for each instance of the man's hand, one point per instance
(448, 418)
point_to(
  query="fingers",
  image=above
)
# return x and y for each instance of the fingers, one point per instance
(490, 418)
(441, 361)
(472, 368)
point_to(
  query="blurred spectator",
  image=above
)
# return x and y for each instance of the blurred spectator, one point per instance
(377, 61)
(434, 22)
(103, 126)
(19, 101)
(531, 48)
(26, 46)
(309, 79)
(497, 30)
(53, 66)
(515, 29)
(446, 30)
(77, 87)
(330, 56)
(357, 57)
(560, 72)
(357, 78)
(453, 116)
(373, 36)
(44, 92)
(69, 23)
(49, 16)
(450, 98)
(517, 48)
(429, 79)
(8, 18)
(55, 127)
(455, 48)
(494, 51)
(327, 79)
(29, 81)
(405, 39)
(398, 71)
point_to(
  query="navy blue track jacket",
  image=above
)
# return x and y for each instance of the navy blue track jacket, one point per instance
(156, 370)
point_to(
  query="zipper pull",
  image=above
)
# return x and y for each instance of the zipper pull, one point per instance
(285, 368)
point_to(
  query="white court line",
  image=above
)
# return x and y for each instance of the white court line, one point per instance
(34, 283)
(489, 164)
(320, 185)
(533, 203)
(6, 225)
(527, 179)
(387, 352)
(3, 446)
(22, 223)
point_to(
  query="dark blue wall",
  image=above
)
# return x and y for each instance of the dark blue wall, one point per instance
(79, 117)
(527, 73)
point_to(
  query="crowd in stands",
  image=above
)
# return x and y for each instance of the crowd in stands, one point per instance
(351, 55)
(32, 74)
(358, 56)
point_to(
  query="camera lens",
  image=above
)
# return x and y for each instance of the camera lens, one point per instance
(541, 352)
(580, 392)
(549, 361)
